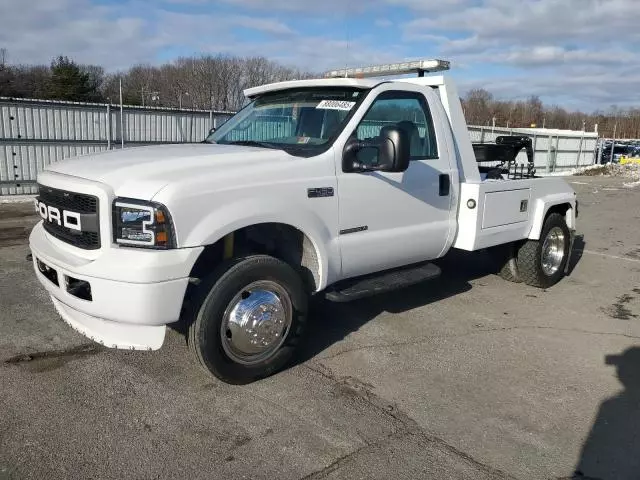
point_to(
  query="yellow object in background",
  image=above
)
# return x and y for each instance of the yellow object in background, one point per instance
(625, 160)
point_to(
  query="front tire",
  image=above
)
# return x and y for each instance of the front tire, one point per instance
(541, 263)
(249, 319)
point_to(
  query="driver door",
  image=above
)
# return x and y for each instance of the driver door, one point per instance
(389, 219)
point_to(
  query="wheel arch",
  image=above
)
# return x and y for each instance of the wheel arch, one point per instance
(281, 240)
(564, 205)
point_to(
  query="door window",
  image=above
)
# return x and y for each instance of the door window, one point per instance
(406, 110)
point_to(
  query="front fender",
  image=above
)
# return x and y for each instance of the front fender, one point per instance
(252, 211)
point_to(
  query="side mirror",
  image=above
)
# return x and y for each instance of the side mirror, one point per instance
(211, 130)
(392, 148)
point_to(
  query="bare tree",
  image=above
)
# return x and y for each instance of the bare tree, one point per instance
(218, 81)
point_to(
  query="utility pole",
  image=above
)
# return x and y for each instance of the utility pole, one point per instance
(180, 98)
(121, 118)
(613, 141)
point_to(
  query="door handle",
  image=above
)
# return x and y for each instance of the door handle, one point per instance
(444, 184)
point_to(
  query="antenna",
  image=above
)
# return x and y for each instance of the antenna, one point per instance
(346, 20)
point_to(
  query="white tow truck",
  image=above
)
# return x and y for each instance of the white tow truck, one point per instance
(345, 186)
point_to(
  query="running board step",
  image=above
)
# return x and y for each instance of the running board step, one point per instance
(386, 281)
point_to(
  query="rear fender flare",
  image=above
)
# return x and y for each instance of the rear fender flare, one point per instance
(542, 207)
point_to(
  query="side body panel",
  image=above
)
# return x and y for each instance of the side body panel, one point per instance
(505, 207)
(490, 212)
(206, 209)
(391, 219)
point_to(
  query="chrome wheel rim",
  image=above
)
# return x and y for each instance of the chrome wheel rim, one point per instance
(553, 251)
(256, 322)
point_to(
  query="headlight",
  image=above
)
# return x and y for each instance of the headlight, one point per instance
(142, 224)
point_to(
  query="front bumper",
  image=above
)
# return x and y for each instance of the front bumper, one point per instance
(144, 291)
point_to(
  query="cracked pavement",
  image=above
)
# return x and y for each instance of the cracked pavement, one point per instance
(468, 377)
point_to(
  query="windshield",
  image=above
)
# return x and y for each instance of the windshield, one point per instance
(307, 119)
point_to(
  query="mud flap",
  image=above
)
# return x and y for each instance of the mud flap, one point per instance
(571, 240)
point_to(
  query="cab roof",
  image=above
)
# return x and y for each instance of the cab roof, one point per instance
(362, 83)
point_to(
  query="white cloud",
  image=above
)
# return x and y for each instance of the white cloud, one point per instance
(577, 51)
(537, 20)
(580, 52)
(90, 34)
(326, 7)
(383, 22)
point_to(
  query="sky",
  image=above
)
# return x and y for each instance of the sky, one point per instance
(579, 54)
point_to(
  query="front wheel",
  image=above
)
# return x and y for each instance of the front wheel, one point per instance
(541, 263)
(249, 319)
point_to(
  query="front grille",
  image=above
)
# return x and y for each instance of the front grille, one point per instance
(86, 205)
(76, 202)
(85, 240)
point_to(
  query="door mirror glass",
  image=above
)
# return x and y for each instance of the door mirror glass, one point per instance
(388, 152)
(392, 110)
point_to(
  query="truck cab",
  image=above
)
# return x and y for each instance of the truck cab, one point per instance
(343, 186)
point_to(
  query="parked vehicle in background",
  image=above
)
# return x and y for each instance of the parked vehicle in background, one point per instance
(345, 186)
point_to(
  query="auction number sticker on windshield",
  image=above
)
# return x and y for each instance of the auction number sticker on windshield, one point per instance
(336, 105)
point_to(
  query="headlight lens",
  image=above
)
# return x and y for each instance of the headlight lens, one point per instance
(142, 224)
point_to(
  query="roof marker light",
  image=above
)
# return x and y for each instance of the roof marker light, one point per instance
(418, 66)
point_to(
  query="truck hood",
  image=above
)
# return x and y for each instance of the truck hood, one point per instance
(141, 172)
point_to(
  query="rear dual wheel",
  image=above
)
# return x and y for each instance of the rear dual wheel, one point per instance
(249, 319)
(539, 263)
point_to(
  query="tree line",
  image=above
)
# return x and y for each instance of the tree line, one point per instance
(482, 108)
(204, 82)
(217, 82)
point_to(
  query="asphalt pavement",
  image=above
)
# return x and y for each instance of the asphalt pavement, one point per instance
(467, 377)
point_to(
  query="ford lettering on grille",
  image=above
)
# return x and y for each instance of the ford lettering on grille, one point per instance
(71, 217)
(64, 218)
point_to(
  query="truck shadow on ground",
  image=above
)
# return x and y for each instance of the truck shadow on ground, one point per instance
(578, 250)
(612, 446)
(330, 322)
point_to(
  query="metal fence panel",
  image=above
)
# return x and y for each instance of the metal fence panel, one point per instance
(553, 150)
(35, 133)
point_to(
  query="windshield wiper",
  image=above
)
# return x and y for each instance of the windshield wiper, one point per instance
(253, 143)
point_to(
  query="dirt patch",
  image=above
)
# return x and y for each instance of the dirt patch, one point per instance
(620, 310)
(40, 362)
(10, 236)
(16, 210)
(15, 213)
(634, 254)
(593, 172)
(629, 170)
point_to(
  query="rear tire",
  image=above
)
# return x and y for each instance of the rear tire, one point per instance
(541, 263)
(505, 258)
(250, 315)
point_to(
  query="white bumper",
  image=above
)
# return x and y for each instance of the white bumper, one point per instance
(144, 290)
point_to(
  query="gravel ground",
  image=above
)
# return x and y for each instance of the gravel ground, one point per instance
(469, 377)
